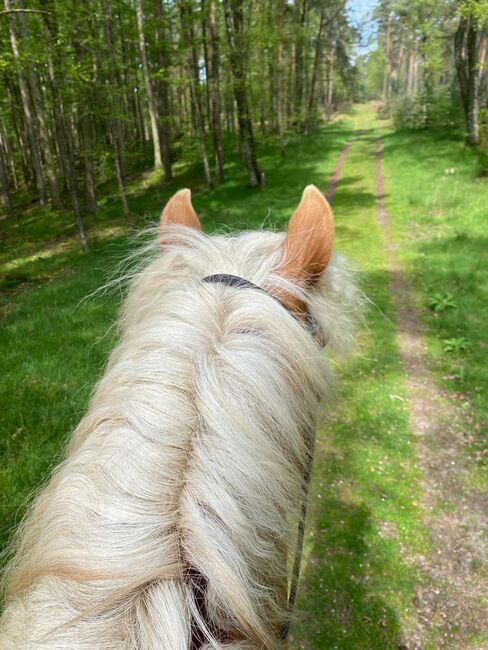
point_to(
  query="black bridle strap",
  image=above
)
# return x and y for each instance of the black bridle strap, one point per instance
(241, 283)
(314, 330)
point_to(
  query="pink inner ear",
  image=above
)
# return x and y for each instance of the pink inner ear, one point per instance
(309, 238)
(179, 211)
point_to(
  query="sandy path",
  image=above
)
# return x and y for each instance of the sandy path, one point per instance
(452, 595)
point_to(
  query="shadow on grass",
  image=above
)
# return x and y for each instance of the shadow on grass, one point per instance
(40, 243)
(341, 611)
(456, 265)
(355, 582)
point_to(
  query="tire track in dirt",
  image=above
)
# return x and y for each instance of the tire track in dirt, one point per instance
(335, 177)
(452, 596)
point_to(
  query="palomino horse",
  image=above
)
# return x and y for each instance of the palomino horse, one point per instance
(171, 521)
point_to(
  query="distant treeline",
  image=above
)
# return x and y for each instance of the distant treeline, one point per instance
(430, 64)
(90, 88)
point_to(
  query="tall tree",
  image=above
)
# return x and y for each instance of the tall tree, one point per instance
(87, 86)
(470, 48)
(114, 119)
(188, 30)
(163, 40)
(210, 8)
(152, 105)
(234, 21)
(63, 127)
(26, 105)
(38, 105)
(4, 184)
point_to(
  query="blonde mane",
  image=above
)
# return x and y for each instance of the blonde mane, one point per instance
(175, 507)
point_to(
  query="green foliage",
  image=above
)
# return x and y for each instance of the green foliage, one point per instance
(408, 113)
(483, 145)
(85, 61)
(412, 69)
(384, 111)
(455, 345)
(445, 248)
(437, 111)
(441, 301)
(478, 9)
(365, 466)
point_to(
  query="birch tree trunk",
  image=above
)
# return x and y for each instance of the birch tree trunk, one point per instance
(186, 14)
(330, 83)
(116, 131)
(214, 87)
(26, 107)
(152, 106)
(8, 157)
(299, 63)
(234, 21)
(89, 171)
(4, 184)
(315, 70)
(164, 93)
(468, 45)
(62, 126)
(38, 103)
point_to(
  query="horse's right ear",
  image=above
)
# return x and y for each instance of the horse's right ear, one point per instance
(309, 238)
(180, 212)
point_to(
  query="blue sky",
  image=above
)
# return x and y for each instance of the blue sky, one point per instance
(360, 12)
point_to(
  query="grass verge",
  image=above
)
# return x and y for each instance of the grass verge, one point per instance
(439, 213)
(364, 524)
(53, 344)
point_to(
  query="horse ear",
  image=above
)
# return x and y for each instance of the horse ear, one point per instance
(309, 239)
(179, 211)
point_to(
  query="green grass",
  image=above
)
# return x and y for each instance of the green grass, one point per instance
(440, 214)
(53, 346)
(356, 589)
(365, 522)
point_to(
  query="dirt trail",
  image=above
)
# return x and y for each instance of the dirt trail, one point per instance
(335, 177)
(452, 593)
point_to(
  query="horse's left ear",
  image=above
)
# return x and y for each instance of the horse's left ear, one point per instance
(309, 239)
(180, 212)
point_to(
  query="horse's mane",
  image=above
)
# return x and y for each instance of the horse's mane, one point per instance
(182, 483)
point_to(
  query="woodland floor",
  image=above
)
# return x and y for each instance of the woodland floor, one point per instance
(436, 590)
(395, 554)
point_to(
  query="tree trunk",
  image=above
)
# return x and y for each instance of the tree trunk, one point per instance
(4, 185)
(21, 140)
(387, 74)
(9, 158)
(26, 107)
(234, 22)
(73, 186)
(186, 14)
(299, 63)
(89, 172)
(64, 135)
(315, 70)
(280, 100)
(467, 48)
(164, 94)
(411, 74)
(214, 86)
(38, 103)
(115, 126)
(330, 84)
(152, 106)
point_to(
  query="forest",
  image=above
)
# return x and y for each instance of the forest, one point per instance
(108, 107)
(97, 90)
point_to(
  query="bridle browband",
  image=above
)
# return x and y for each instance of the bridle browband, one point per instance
(309, 321)
(314, 330)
